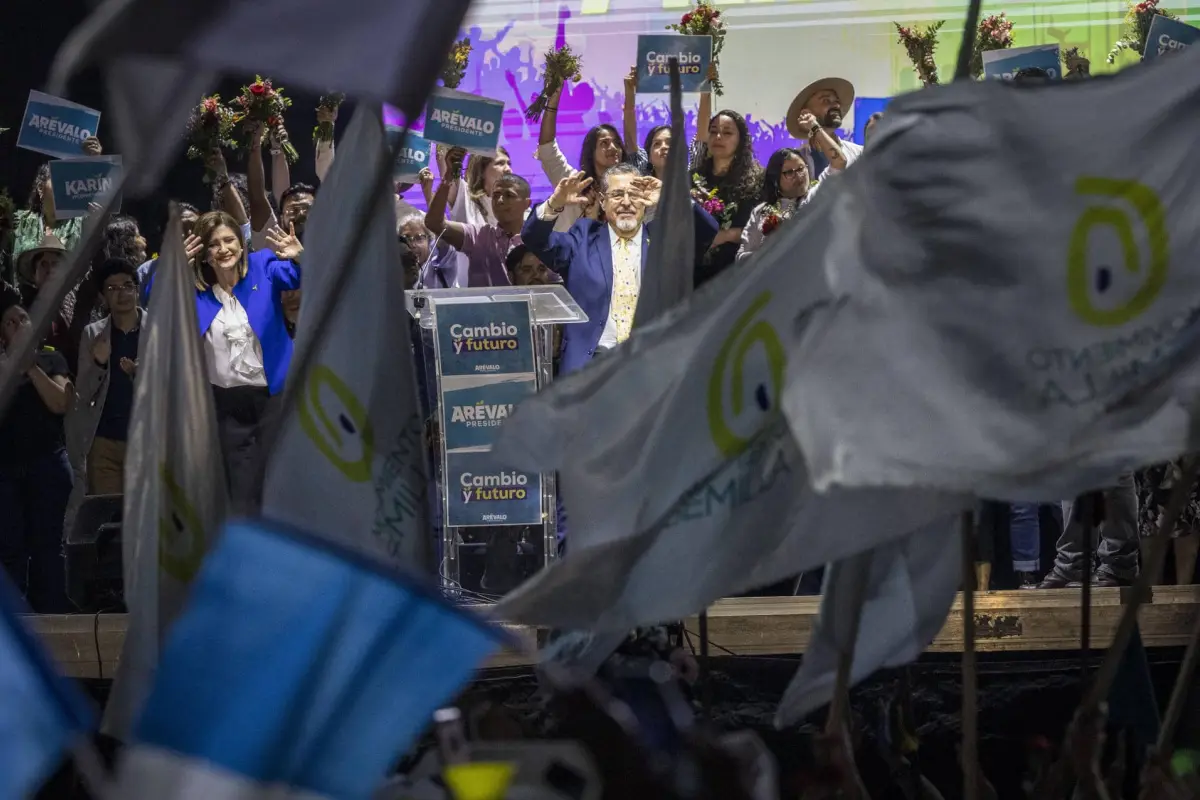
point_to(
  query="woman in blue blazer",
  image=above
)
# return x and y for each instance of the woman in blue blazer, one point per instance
(245, 340)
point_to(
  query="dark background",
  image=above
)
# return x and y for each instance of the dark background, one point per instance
(28, 45)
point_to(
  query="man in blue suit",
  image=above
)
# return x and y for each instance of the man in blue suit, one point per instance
(602, 262)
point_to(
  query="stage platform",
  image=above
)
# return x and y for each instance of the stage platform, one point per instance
(89, 645)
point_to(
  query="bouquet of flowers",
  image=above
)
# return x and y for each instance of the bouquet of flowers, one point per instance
(920, 44)
(456, 64)
(704, 20)
(1137, 28)
(260, 103)
(772, 219)
(562, 64)
(723, 212)
(994, 33)
(328, 102)
(1075, 65)
(209, 128)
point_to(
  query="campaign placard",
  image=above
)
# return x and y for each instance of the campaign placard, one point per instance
(471, 416)
(489, 338)
(1168, 36)
(459, 119)
(414, 155)
(80, 181)
(55, 126)
(480, 493)
(1004, 64)
(654, 74)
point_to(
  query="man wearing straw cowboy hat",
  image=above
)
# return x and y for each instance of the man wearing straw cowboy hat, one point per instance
(815, 116)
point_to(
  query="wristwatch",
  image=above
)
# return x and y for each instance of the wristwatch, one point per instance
(813, 130)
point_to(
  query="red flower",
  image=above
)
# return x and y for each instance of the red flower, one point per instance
(770, 223)
(258, 89)
(686, 18)
(272, 121)
(210, 105)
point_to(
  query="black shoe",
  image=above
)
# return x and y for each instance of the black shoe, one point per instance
(1057, 581)
(1106, 581)
(1028, 580)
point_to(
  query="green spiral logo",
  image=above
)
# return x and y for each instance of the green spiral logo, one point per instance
(728, 379)
(180, 533)
(1081, 279)
(335, 434)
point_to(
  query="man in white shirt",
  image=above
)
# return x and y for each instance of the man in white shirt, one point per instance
(815, 116)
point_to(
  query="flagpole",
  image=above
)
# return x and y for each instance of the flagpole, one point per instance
(1156, 552)
(705, 672)
(970, 709)
(970, 688)
(1155, 555)
(1085, 508)
(50, 298)
(1179, 694)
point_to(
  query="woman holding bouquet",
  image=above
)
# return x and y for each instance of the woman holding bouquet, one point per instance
(602, 149)
(728, 181)
(245, 338)
(785, 188)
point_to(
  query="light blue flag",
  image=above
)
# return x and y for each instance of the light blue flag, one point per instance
(305, 679)
(41, 712)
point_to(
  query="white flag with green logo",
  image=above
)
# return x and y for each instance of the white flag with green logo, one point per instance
(680, 480)
(351, 462)
(177, 498)
(1017, 313)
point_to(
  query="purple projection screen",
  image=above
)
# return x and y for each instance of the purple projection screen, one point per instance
(509, 40)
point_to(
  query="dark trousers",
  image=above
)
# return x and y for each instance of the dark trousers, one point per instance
(242, 416)
(1116, 554)
(33, 501)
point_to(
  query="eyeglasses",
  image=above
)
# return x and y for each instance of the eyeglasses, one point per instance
(792, 173)
(124, 288)
(619, 194)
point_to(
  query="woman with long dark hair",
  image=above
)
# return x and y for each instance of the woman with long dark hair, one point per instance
(784, 189)
(728, 180)
(602, 149)
(245, 338)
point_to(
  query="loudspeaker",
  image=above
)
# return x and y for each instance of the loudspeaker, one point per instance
(95, 580)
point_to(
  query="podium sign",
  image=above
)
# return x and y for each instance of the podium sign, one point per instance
(487, 364)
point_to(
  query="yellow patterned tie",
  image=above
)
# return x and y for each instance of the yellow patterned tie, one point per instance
(625, 288)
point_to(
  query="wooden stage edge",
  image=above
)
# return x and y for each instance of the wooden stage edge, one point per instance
(89, 646)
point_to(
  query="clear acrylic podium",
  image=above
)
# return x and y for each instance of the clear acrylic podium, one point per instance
(549, 306)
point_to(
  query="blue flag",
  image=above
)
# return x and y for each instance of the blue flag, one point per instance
(297, 664)
(41, 712)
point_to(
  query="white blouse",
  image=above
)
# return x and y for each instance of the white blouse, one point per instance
(233, 352)
(752, 232)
